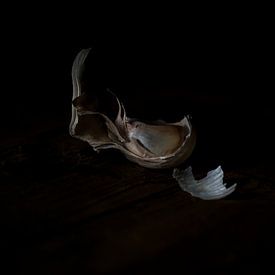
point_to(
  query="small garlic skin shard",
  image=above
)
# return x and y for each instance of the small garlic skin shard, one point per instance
(210, 187)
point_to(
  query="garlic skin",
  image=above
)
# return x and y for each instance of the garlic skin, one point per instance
(153, 145)
(210, 187)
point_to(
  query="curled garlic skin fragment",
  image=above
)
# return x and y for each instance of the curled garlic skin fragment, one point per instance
(153, 145)
(210, 187)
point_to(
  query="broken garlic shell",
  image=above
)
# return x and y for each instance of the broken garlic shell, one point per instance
(152, 145)
(210, 187)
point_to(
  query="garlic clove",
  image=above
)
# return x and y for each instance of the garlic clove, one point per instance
(160, 140)
(102, 122)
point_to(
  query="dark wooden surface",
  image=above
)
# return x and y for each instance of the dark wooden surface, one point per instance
(68, 210)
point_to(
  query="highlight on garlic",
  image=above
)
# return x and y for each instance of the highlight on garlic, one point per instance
(153, 145)
(210, 187)
(102, 122)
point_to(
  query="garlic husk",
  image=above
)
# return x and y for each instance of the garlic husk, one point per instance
(210, 187)
(152, 145)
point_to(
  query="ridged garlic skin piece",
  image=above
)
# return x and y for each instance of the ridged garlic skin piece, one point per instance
(210, 187)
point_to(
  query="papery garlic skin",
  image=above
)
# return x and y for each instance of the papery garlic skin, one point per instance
(210, 187)
(152, 145)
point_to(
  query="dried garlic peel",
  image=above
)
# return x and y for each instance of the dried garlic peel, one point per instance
(210, 187)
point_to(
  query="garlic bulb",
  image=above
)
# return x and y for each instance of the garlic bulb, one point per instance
(153, 145)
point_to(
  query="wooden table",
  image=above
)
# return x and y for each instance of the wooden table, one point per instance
(68, 210)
